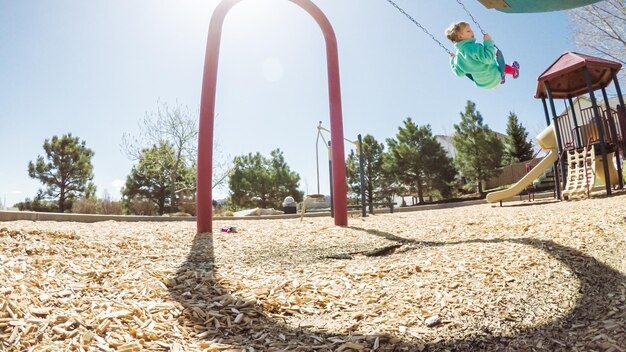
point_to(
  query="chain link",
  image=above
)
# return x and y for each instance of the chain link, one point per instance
(432, 36)
(471, 16)
(420, 26)
(474, 20)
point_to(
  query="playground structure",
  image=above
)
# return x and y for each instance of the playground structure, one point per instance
(598, 135)
(204, 211)
(586, 149)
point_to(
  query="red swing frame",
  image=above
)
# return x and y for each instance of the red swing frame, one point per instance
(204, 206)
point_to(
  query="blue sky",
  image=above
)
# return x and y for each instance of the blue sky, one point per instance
(94, 68)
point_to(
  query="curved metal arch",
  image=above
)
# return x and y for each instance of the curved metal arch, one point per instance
(204, 207)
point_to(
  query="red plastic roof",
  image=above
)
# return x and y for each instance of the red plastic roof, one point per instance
(565, 75)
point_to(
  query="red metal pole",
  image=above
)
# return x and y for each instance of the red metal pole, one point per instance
(204, 207)
(204, 197)
(340, 191)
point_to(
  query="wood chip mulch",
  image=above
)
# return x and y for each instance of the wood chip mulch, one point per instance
(547, 276)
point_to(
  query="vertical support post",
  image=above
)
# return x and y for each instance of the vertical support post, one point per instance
(317, 158)
(362, 175)
(558, 134)
(614, 137)
(330, 180)
(545, 111)
(557, 188)
(618, 90)
(600, 127)
(204, 194)
(576, 127)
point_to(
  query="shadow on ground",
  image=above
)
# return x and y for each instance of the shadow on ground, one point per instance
(196, 288)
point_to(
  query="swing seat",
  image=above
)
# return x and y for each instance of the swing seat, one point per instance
(525, 6)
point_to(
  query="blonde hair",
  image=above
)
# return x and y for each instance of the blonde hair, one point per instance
(452, 32)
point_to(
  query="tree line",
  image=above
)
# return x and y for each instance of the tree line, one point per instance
(416, 164)
(163, 176)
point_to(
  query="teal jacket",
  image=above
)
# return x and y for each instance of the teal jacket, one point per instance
(478, 60)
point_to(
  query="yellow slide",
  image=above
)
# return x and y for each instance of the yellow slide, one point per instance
(547, 141)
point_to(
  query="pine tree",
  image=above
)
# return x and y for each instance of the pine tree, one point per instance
(439, 171)
(256, 181)
(479, 151)
(419, 161)
(518, 148)
(68, 171)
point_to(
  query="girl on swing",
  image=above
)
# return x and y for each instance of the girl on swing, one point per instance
(481, 63)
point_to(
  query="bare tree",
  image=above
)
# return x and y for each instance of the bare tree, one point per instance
(177, 126)
(221, 166)
(601, 28)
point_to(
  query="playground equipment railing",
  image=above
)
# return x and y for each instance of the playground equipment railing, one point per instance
(612, 123)
(568, 133)
(620, 127)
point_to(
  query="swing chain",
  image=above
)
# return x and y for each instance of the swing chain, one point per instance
(421, 27)
(471, 16)
(474, 20)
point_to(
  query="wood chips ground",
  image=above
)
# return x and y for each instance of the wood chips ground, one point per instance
(550, 276)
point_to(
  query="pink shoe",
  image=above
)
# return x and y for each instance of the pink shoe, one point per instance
(515, 65)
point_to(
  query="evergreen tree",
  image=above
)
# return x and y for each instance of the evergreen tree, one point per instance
(68, 171)
(284, 181)
(392, 185)
(518, 148)
(151, 178)
(256, 181)
(479, 150)
(419, 161)
(439, 171)
(372, 166)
